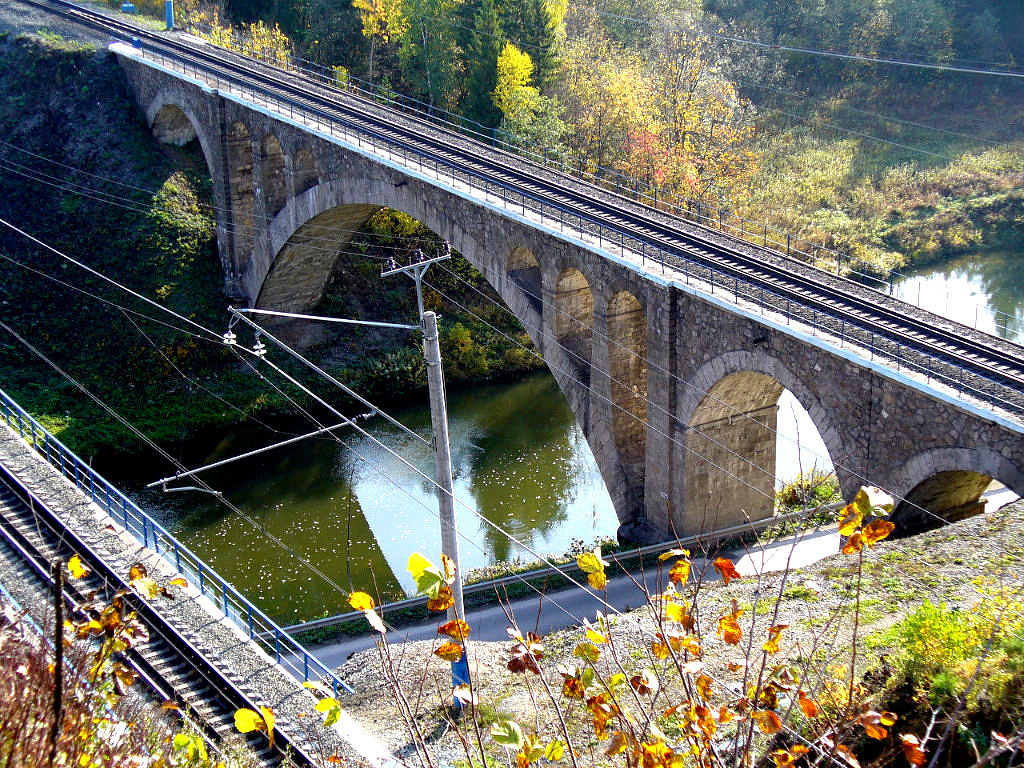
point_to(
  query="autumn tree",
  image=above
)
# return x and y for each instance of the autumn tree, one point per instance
(382, 20)
(429, 52)
(530, 118)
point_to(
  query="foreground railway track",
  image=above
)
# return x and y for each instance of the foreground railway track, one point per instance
(855, 314)
(171, 666)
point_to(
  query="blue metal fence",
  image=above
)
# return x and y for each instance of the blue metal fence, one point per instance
(253, 622)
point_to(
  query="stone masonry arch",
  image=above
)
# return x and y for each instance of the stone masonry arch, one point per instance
(946, 485)
(273, 179)
(728, 412)
(626, 323)
(241, 193)
(574, 321)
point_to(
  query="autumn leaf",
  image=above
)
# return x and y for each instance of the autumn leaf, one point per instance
(456, 628)
(449, 651)
(595, 634)
(851, 520)
(725, 567)
(137, 571)
(680, 571)
(465, 695)
(772, 644)
(587, 651)
(875, 723)
(448, 569)
(645, 684)
(572, 687)
(526, 652)
(508, 734)
(854, 544)
(807, 705)
(673, 553)
(554, 751)
(593, 566)
(247, 720)
(360, 601)
(444, 600)
(617, 744)
(875, 531)
(703, 686)
(677, 613)
(77, 567)
(767, 722)
(147, 587)
(912, 749)
(729, 626)
(426, 575)
(178, 581)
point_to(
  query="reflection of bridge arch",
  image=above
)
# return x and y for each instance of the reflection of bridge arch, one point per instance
(948, 483)
(729, 409)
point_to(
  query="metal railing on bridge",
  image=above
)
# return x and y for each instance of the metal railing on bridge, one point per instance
(722, 217)
(253, 622)
(752, 296)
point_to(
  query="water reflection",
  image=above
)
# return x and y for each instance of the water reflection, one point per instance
(984, 290)
(357, 512)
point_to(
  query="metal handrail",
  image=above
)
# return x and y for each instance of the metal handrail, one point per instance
(259, 627)
(766, 302)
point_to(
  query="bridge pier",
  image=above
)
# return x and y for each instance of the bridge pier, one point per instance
(674, 384)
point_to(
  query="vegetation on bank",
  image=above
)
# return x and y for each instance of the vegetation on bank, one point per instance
(85, 177)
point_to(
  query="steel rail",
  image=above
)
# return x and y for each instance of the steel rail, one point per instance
(167, 647)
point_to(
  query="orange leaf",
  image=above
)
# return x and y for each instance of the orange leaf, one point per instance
(572, 687)
(645, 684)
(767, 722)
(912, 749)
(456, 629)
(725, 715)
(703, 685)
(855, 544)
(444, 600)
(875, 531)
(726, 568)
(680, 571)
(729, 626)
(449, 651)
(808, 706)
(872, 722)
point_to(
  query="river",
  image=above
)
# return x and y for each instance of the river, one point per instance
(521, 467)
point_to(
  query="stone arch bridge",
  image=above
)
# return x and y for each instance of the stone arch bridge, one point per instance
(675, 386)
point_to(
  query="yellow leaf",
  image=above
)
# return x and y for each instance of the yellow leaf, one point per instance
(592, 565)
(76, 567)
(447, 569)
(772, 644)
(360, 601)
(456, 628)
(147, 586)
(680, 572)
(673, 553)
(178, 581)
(449, 651)
(137, 571)
(676, 612)
(703, 685)
(850, 520)
(268, 721)
(246, 721)
(597, 580)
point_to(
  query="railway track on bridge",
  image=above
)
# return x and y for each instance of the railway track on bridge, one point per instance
(171, 666)
(990, 368)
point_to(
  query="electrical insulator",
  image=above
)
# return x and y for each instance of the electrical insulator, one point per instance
(230, 339)
(259, 349)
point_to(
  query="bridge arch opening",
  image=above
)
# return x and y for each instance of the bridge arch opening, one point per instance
(172, 126)
(523, 270)
(574, 321)
(274, 181)
(627, 357)
(304, 173)
(944, 497)
(747, 437)
(242, 193)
